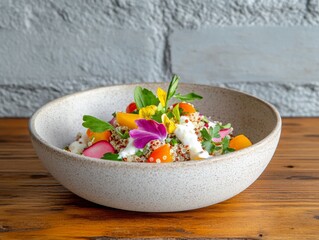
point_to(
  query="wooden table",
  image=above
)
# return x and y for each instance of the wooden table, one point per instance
(282, 204)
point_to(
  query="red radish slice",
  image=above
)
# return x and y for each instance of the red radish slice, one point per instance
(97, 150)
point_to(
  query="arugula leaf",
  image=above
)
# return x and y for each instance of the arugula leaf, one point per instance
(144, 97)
(95, 124)
(176, 113)
(172, 88)
(187, 97)
(111, 156)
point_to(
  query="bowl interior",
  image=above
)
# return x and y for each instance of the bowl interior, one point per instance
(58, 122)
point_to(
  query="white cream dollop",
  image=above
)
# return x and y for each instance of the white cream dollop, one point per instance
(129, 150)
(186, 134)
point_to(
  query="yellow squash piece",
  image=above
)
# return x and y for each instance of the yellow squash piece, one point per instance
(127, 119)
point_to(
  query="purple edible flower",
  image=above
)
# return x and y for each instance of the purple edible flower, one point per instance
(147, 131)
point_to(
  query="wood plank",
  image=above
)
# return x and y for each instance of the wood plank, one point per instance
(282, 204)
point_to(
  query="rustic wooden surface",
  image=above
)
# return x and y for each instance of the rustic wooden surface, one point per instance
(282, 204)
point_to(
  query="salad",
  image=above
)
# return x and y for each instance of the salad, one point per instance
(154, 131)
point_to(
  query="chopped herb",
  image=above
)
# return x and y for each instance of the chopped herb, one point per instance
(112, 156)
(174, 141)
(139, 153)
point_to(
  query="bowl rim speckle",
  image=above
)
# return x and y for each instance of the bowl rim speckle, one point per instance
(109, 163)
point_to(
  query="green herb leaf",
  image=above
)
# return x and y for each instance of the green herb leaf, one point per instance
(111, 156)
(157, 116)
(125, 135)
(208, 145)
(226, 126)
(206, 135)
(205, 119)
(139, 153)
(225, 143)
(144, 97)
(174, 141)
(95, 124)
(228, 150)
(187, 97)
(176, 113)
(172, 88)
(215, 132)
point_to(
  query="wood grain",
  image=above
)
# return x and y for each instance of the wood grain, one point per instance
(282, 204)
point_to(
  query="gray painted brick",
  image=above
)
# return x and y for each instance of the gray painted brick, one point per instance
(247, 54)
(114, 54)
(54, 47)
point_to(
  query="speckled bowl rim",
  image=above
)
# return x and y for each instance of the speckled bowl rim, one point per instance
(212, 160)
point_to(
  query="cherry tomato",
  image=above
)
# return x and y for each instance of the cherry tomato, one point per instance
(131, 107)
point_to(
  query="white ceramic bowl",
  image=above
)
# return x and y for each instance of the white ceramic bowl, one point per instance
(165, 187)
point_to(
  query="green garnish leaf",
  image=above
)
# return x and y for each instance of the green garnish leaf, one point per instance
(228, 150)
(226, 126)
(172, 88)
(125, 135)
(187, 97)
(139, 153)
(215, 131)
(144, 97)
(176, 113)
(95, 124)
(157, 116)
(217, 148)
(208, 146)
(225, 144)
(173, 142)
(111, 156)
(205, 134)
(205, 119)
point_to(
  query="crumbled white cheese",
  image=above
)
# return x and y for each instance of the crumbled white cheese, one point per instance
(79, 145)
(186, 134)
